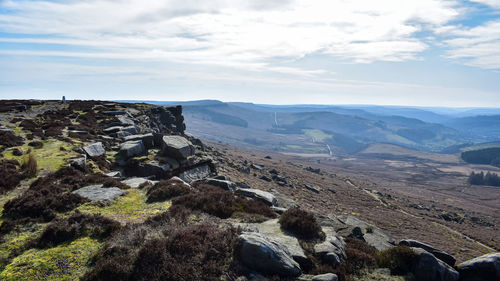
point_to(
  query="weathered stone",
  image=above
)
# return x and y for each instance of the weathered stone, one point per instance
(332, 249)
(257, 167)
(197, 173)
(135, 182)
(132, 130)
(227, 185)
(266, 255)
(483, 268)
(113, 129)
(95, 149)
(430, 268)
(264, 196)
(325, 277)
(346, 226)
(98, 193)
(147, 139)
(79, 163)
(132, 148)
(447, 258)
(177, 147)
(272, 228)
(125, 120)
(149, 168)
(311, 188)
(114, 113)
(114, 174)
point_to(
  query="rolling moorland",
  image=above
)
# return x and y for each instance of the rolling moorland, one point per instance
(339, 130)
(120, 191)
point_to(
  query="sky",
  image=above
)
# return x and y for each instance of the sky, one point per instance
(384, 52)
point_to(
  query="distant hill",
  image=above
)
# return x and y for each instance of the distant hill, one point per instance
(337, 129)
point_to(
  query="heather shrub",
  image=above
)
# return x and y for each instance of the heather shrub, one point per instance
(52, 193)
(221, 203)
(398, 259)
(359, 255)
(8, 139)
(301, 223)
(167, 189)
(36, 144)
(10, 175)
(78, 225)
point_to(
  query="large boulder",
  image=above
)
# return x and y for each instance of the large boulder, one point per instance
(350, 226)
(177, 147)
(430, 268)
(94, 149)
(98, 193)
(266, 255)
(262, 195)
(483, 268)
(272, 228)
(132, 148)
(197, 173)
(447, 258)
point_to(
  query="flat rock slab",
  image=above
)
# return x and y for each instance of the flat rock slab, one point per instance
(224, 184)
(198, 173)
(325, 277)
(262, 195)
(95, 149)
(135, 182)
(98, 193)
(147, 139)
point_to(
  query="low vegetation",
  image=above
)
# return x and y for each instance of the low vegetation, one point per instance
(398, 259)
(301, 223)
(177, 247)
(221, 203)
(11, 176)
(167, 189)
(51, 194)
(78, 225)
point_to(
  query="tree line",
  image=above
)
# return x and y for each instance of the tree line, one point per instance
(481, 178)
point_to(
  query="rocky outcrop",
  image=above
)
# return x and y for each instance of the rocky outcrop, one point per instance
(135, 182)
(267, 256)
(447, 258)
(147, 139)
(430, 268)
(98, 193)
(350, 226)
(95, 149)
(483, 268)
(224, 184)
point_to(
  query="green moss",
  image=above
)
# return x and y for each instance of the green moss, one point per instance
(49, 157)
(65, 262)
(13, 242)
(131, 207)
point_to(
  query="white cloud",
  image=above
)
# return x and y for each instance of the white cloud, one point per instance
(478, 46)
(492, 3)
(236, 33)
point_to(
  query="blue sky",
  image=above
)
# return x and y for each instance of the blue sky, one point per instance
(388, 52)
